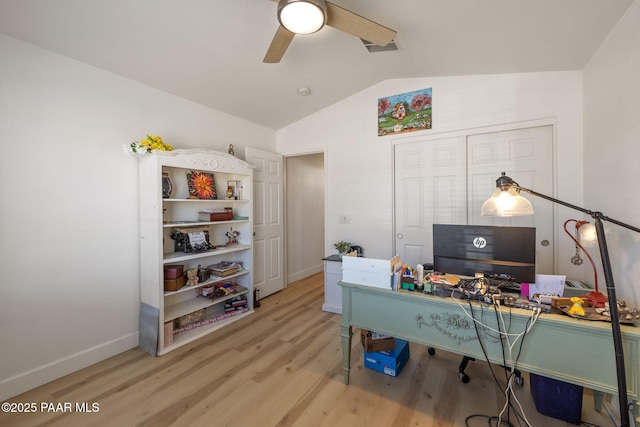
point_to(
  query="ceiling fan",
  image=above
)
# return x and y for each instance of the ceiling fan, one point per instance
(321, 12)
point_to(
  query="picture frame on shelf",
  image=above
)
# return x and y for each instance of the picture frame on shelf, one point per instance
(202, 185)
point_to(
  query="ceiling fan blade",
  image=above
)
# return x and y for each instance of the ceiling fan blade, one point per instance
(356, 25)
(278, 46)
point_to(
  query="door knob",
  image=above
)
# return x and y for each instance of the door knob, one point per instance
(399, 235)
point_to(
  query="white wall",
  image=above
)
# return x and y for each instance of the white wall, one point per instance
(68, 224)
(304, 215)
(69, 219)
(359, 163)
(612, 147)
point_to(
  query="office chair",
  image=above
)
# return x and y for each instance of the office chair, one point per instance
(518, 379)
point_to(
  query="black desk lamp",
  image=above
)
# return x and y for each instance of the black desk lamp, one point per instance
(506, 201)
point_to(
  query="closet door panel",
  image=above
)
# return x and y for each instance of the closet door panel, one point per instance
(526, 155)
(430, 187)
(447, 180)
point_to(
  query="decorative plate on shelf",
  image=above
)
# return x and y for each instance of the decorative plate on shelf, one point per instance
(202, 185)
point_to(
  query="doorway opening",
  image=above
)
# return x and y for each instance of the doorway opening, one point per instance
(304, 215)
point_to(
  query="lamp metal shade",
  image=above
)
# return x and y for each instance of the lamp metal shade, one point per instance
(302, 16)
(506, 203)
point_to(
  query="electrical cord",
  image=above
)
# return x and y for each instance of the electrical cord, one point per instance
(536, 312)
(503, 332)
(498, 315)
(489, 420)
(486, 357)
(504, 391)
(509, 389)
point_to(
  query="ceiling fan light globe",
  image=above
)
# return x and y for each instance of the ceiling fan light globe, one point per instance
(302, 16)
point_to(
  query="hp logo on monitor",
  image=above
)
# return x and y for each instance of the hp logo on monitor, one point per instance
(479, 242)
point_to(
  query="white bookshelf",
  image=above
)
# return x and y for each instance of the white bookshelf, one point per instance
(161, 217)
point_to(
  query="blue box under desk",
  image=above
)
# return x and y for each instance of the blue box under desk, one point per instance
(389, 362)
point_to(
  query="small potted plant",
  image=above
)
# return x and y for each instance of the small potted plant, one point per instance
(342, 247)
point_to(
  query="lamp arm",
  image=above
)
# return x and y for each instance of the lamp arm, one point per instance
(593, 214)
(621, 224)
(611, 294)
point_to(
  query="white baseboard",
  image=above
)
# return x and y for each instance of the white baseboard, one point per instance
(331, 308)
(304, 273)
(25, 381)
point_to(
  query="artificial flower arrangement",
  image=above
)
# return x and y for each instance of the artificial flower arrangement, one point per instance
(148, 145)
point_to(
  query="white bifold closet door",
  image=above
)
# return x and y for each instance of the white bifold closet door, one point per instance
(446, 181)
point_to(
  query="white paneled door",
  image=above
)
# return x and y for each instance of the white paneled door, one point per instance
(268, 221)
(430, 187)
(446, 181)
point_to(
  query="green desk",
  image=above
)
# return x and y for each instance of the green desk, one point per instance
(557, 346)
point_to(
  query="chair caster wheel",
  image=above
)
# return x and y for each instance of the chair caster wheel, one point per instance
(431, 351)
(519, 380)
(464, 377)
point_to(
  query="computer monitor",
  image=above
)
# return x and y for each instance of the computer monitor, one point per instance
(492, 250)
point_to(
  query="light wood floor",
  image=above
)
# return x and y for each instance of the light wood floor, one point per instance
(281, 366)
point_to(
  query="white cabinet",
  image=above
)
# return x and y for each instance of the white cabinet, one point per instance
(332, 291)
(170, 319)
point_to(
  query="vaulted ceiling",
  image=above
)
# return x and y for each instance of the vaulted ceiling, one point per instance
(211, 51)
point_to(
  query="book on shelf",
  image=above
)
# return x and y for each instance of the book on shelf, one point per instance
(225, 214)
(225, 268)
(224, 273)
(207, 321)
